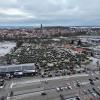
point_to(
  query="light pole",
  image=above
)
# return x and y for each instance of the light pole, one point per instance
(98, 66)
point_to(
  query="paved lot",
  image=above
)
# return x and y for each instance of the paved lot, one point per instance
(52, 94)
(29, 88)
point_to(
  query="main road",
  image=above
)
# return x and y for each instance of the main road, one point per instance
(32, 88)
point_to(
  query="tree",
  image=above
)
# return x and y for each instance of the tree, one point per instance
(8, 59)
(72, 41)
(19, 43)
(92, 54)
(79, 42)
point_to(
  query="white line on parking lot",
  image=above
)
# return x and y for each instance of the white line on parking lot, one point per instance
(11, 85)
(84, 83)
(8, 98)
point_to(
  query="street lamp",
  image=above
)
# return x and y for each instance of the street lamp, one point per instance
(98, 66)
(44, 82)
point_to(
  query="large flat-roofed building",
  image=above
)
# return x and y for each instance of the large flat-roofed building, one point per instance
(24, 68)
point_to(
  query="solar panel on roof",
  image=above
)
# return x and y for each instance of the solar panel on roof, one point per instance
(27, 67)
(14, 69)
(3, 69)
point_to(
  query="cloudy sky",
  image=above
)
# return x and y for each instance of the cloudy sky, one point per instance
(50, 12)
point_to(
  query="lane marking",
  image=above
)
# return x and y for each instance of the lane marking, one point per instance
(12, 85)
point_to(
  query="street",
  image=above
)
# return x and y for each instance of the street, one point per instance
(32, 88)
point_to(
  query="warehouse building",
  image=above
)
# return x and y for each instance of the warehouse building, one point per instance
(18, 70)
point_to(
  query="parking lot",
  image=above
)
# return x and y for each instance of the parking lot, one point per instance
(53, 88)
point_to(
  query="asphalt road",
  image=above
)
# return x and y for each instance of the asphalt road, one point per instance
(27, 86)
(52, 94)
(31, 89)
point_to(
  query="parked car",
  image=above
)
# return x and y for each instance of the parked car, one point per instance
(2, 82)
(43, 93)
(18, 74)
(85, 92)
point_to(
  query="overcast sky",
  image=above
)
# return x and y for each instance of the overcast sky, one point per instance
(50, 12)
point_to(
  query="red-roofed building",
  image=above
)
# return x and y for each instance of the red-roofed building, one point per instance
(68, 46)
(91, 98)
(79, 50)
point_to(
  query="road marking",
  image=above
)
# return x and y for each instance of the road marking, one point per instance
(8, 98)
(12, 85)
(84, 83)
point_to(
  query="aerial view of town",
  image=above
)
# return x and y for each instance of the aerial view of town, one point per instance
(49, 51)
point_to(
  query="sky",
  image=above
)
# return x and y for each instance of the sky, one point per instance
(50, 12)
